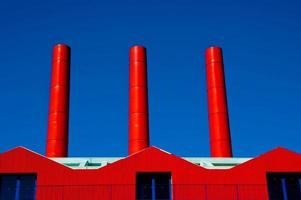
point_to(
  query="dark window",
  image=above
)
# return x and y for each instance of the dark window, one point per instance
(153, 186)
(284, 186)
(17, 187)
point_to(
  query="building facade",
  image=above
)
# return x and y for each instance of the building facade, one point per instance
(147, 173)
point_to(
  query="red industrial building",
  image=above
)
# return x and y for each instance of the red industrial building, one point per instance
(148, 172)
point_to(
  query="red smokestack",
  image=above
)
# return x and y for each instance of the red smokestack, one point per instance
(138, 102)
(220, 140)
(58, 117)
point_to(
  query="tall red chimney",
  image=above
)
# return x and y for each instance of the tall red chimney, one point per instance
(58, 117)
(138, 101)
(220, 140)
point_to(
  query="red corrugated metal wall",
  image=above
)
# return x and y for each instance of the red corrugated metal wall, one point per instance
(117, 181)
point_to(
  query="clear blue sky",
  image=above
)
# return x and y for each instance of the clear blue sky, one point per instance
(261, 40)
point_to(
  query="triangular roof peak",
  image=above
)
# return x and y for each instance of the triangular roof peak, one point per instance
(278, 158)
(20, 149)
(26, 159)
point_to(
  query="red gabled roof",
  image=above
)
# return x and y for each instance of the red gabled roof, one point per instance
(21, 158)
(152, 159)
